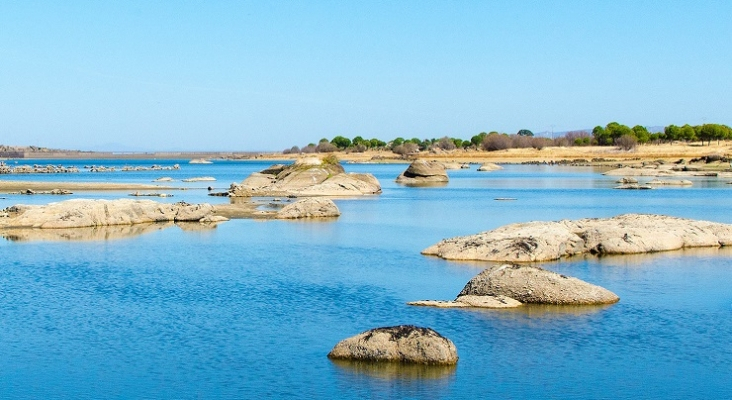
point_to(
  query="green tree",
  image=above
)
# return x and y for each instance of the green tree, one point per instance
(358, 140)
(641, 133)
(616, 130)
(673, 132)
(341, 142)
(397, 142)
(477, 140)
(525, 132)
(601, 136)
(688, 133)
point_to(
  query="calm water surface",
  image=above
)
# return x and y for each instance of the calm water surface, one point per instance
(250, 309)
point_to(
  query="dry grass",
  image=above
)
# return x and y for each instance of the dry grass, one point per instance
(593, 154)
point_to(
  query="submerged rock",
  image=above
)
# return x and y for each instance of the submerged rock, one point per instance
(78, 213)
(670, 182)
(309, 208)
(623, 234)
(307, 177)
(403, 343)
(423, 172)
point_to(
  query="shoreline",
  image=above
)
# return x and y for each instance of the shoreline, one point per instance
(594, 155)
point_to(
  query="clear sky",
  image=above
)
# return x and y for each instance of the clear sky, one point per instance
(267, 75)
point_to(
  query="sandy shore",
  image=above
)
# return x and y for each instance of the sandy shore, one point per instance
(11, 186)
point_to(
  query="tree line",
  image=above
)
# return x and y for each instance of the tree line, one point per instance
(612, 134)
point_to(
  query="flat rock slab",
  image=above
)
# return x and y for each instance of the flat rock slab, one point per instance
(471, 301)
(544, 241)
(79, 213)
(403, 343)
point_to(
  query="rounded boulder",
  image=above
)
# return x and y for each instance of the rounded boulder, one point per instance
(403, 343)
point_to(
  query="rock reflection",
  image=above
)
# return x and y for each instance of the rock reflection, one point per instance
(396, 371)
(97, 233)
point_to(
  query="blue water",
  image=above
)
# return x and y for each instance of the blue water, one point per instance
(251, 308)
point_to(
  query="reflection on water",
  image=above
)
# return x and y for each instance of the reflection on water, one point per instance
(395, 370)
(97, 233)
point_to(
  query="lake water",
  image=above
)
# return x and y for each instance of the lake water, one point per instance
(251, 308)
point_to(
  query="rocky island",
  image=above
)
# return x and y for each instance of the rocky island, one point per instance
(623, 234)
(79, 213)
(306, 177)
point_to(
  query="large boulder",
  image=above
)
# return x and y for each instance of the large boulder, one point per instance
(423, 172)
(534, 285)
(78, 213)
(308, 176)
(403, 343)
(623, 234)
(309, 208)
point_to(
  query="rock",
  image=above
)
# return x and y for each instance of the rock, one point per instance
(423, 171)
(670, 182)
(452, 165)
(633, 186)
(464, 166)
(483, 301)
(200, 179)
(403, 343)
(309, 208)
(164, 179)
(154, 194)
(83, 213)
(487, 167)
(530, 284)
(627, 180)
(306, 177)
(623, 234)
(199, 161)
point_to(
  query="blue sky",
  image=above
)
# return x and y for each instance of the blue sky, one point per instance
(266, 75)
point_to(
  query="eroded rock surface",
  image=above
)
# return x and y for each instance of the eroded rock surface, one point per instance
(623, 234)
(423, 172)
(403, 343)
(306, 177)
(79, 213)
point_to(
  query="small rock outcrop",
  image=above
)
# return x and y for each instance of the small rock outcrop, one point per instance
(623, 234)
(633, 186)
(403, 343)
(79, 213)
(670, 182)
(200, 179)
(423, 172)
(487, 167)
(511, 285)
(309, 208)
(627, 180)
(534, 285)
(307, 177)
